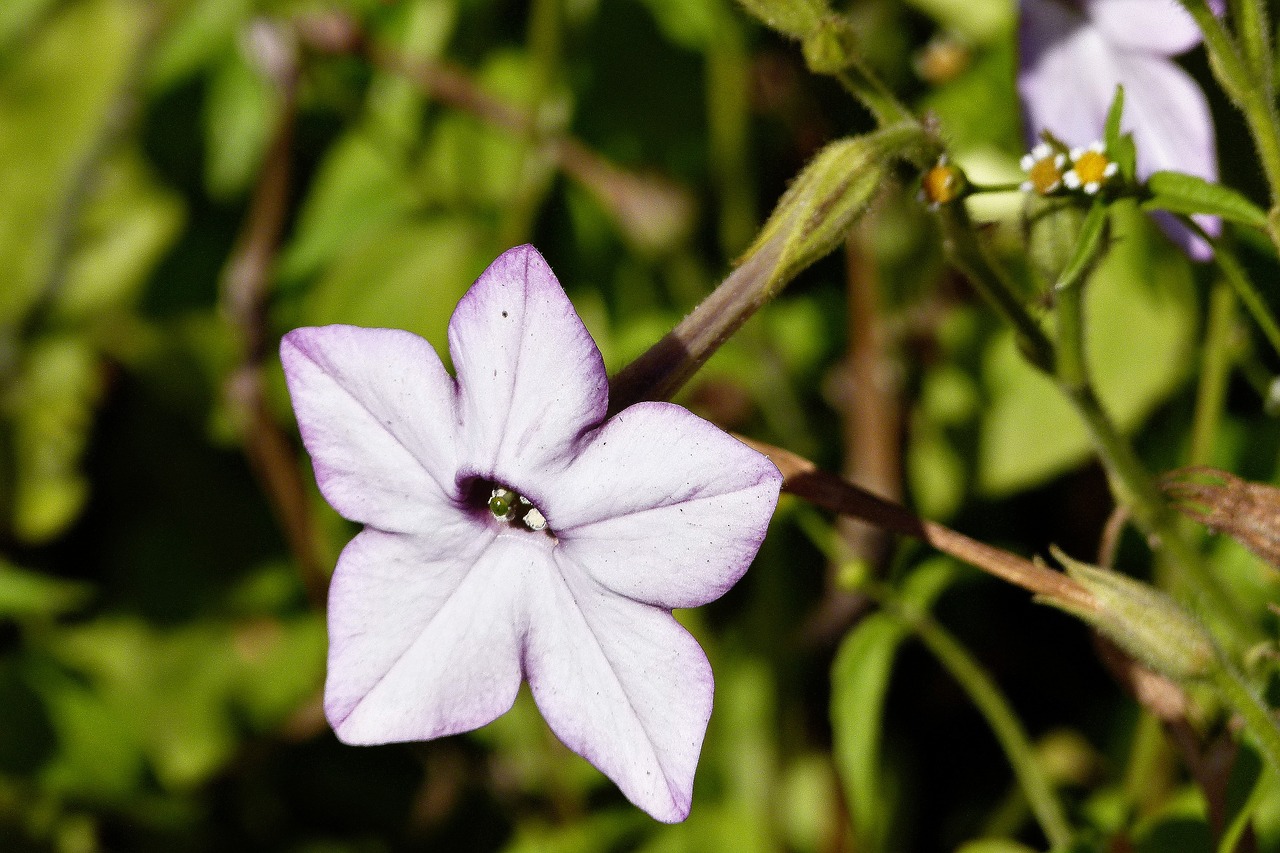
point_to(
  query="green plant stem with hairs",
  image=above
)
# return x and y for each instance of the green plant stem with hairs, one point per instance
(1130, 481)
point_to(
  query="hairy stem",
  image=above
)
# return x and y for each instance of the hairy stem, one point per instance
(803, 479)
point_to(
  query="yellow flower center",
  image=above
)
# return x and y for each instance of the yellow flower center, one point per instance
(1044, 175)
(941, 184)
(1091, 167)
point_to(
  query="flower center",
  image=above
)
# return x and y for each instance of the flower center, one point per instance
(506, 505)
(1043, 166)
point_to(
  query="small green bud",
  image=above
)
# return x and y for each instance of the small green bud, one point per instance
(827, 197)
(1143, 621)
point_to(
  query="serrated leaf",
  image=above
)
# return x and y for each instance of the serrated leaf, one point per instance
(1180, 193)
(859, 684)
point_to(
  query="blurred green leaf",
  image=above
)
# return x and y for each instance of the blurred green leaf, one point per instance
(859, 684)
(993, 845)
(127, 224)
(181, 693)
(56, 97)
(408, 275)
(1140, 324)
(982, 22)
(55, 397)
(358, 188)
(25, 593)
(240, 113)
(204, 31)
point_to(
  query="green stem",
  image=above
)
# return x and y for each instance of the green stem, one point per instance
(1240, 282)
(1130, 482)
(874, 95)
(1246, 702)
(1251, 93)
(1147, 758)
(995, 709)
(1215, 367)
(1253, 27)
(967, 254)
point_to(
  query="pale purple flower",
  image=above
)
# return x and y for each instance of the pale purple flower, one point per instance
(1073, 54)
(457, 588)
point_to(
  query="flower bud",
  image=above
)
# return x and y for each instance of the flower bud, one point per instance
(1143, 621)
(825, 199)
(942, 184)
(830, 47)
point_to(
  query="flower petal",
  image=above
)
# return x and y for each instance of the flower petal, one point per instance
(662, 506)
(624, 686)
(530, 376)
(376, 410)
(1063, 65)
(1150, 26)
(1169, 117)
(425, 632)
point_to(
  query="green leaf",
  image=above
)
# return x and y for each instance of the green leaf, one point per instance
(994, 845)
(57, 96)
(359, 187)
(408, 275)
(1180, 193)
(1111, 136)
(795, 18)
(205, 31)
(240, 115)
(57, 392)
(859, 684)
(1140, 312)
(1087, 247)
(25, 594)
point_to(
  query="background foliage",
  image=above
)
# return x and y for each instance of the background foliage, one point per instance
(161, 642)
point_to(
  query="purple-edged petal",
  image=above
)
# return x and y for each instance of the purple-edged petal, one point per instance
(1168, 116)
(425, 632)
(530, 376)
(1152, 26)
(662, 507)
(1186, 239)
(1063, 65)
(624, 686)
(377, 413)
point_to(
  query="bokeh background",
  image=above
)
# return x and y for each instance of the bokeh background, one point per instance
(181, 181)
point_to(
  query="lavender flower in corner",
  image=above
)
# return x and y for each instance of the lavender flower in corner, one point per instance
(1073, 55)
(511, 532)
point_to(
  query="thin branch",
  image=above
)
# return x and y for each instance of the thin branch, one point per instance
(244, 299)
(803, 479)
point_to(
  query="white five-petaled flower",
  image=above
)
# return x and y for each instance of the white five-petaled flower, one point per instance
(511, 532)
(1073, 54)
